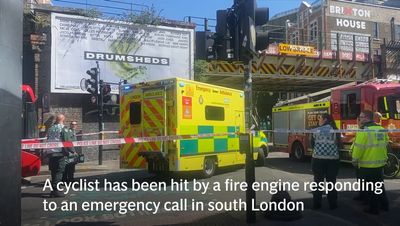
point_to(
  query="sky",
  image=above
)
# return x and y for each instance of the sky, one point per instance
(179, 9)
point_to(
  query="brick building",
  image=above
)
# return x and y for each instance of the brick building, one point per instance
(325, 22)
(37, 72)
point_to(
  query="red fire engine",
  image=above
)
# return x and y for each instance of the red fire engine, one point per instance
(345, 104)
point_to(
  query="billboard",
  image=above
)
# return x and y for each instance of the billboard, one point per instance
(354, 24)
(125, 51)
(347, 41)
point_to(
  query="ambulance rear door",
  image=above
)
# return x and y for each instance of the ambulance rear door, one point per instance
(154, 119)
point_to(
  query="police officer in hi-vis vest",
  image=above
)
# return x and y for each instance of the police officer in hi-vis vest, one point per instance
(325, 158)
(369, 153)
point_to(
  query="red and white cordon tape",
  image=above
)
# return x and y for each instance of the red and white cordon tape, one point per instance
(127, 140)
(316, 130)
(78, 135)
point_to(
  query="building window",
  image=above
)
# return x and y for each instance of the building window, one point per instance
(301, 22)
(375, 30)
(215, 113)
(313, 31)
(294, 38)
(397, 32)
(135, 113)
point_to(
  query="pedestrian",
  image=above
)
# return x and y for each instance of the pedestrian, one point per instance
(69, 134)
(56, 155)
(370, 155)
(325, 158)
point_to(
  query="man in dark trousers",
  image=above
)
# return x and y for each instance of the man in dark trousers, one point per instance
(69, 134)
(370, 155)
(56, 155)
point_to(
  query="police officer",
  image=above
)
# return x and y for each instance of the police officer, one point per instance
(325, 158)
(370, 155)
(362, 197)
(56, 155)
(69, 134)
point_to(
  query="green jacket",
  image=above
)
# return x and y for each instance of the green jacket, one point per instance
(369, 149)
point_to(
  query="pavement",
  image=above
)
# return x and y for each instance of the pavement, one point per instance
(108, 165)
(91, 167)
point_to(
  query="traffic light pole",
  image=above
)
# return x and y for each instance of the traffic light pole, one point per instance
(248, 14)
(100, 106)
(250, 170)
(100, 109)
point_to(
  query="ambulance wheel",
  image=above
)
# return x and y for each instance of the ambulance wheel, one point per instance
(392, 167)
(261, 157)
(298, 152)
(209, 167)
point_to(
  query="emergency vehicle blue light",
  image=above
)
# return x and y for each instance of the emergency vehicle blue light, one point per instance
(181, 84)
(127, 87)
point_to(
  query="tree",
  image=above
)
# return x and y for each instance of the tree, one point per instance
(200, 70)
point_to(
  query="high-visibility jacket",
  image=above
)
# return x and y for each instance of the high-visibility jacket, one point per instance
(369, 149)
(325, 143)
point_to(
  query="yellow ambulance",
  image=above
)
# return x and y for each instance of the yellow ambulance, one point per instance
(183, 107)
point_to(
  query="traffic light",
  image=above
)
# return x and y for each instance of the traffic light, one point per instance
(92, 84)
(247, 32)
(262, 17)
(223, 43)
(205, 45)
(106, 93)
(251, 39)
(237, 36)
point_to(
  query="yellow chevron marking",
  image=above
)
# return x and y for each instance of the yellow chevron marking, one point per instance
(307, 70)
(272, 69)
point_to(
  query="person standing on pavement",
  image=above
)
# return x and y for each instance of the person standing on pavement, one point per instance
(69, 134)
(56, 155)
(325, 158)
(370, 155)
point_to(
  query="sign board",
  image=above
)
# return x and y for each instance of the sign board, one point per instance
(349, 17)
(312, 117)
(125, 51)
(346, 41)
(296, 49)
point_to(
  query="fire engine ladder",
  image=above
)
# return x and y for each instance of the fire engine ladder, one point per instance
(310, 96)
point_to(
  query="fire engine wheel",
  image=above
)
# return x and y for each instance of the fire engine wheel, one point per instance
(392, 167)
(298, 152)
(209, 167)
